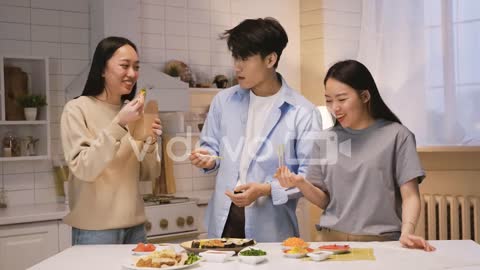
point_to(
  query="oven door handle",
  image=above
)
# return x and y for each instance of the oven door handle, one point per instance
(170, 238)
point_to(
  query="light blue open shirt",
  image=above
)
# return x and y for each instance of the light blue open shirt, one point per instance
(269, 218)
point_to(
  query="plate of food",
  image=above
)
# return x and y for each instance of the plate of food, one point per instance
(335, 249)
(164, 259)
(292, 242)
(297, 252)
(229, 244)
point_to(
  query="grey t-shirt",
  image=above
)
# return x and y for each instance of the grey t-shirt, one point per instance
(364, 177)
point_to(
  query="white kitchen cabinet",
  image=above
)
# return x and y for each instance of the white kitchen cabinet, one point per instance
(23, 245)
(202, 208)
(37, 74)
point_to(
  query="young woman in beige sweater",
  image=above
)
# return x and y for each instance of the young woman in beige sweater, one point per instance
(105, 203)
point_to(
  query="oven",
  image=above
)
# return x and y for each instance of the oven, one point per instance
(171, 219)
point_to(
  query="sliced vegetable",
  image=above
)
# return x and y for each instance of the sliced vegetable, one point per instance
(192, 258)
(253, 252)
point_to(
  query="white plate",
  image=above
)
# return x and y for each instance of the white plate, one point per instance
(133, 267)
(319, 255)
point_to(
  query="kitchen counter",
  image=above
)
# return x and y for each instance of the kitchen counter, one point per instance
(457, 254)
(55, 211)
(32, 213)
(201, 196)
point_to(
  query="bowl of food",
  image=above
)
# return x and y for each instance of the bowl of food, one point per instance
(319, 255)
(296, 252)
(252, 255)
(218, 256)
(292, 242)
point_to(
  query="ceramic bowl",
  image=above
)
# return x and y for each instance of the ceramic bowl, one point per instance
(216, 256)
(319, 255)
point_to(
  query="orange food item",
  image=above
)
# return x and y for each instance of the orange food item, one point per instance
(335, 247)
(298, 250)
(294, 242)
(141, 247)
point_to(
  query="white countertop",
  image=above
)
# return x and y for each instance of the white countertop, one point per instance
(457, 254)
(201, 196)
(32, 213)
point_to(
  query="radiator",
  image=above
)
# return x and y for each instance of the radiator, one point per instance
(449, 217)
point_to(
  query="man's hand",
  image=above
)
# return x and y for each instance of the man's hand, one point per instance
(288, 179)
(413, 241)
(248, 193)
(201, 158)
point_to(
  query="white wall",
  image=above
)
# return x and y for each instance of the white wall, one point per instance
(330, 31)
(57, 29)
(189, 30)
(171, 29)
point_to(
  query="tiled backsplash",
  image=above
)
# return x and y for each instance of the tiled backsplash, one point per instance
(187, 176)
(60, 30)
(171, 29)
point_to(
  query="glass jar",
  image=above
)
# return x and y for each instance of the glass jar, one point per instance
(10, 145)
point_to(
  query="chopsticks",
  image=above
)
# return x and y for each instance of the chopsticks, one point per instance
(281, 155)
(209, 156)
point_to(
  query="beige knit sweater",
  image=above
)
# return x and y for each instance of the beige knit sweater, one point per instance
(104, 169)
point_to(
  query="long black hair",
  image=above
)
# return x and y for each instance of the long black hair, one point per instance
(358, 77)
(256, 36)
(104, 51)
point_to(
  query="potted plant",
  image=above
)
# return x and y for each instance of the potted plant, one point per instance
(173, 71)
(30, 104)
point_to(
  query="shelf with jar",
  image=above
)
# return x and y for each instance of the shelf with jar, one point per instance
(24, 111)
(204, 90)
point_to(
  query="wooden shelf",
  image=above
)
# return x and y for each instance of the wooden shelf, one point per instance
(24, 122)
(24, 158)
(204, 90)
(36, 70)
(448, 149)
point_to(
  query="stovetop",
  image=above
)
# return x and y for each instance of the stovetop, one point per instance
(150, 199)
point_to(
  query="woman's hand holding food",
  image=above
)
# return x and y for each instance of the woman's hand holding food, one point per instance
(131, 111)
(288, 179)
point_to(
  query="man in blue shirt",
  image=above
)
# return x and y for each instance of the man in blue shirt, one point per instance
(252, 128)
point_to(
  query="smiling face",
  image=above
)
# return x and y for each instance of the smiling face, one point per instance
(253, 71)
(344, 102)
(121, 71)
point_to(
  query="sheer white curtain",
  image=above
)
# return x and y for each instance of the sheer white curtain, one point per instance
(421, 56)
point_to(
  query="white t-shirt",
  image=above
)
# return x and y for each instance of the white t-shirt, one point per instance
(258, 111)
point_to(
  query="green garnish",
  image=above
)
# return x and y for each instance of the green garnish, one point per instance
(253, 252)
(192, 258)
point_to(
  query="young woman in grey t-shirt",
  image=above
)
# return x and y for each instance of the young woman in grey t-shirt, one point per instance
(368, 187)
